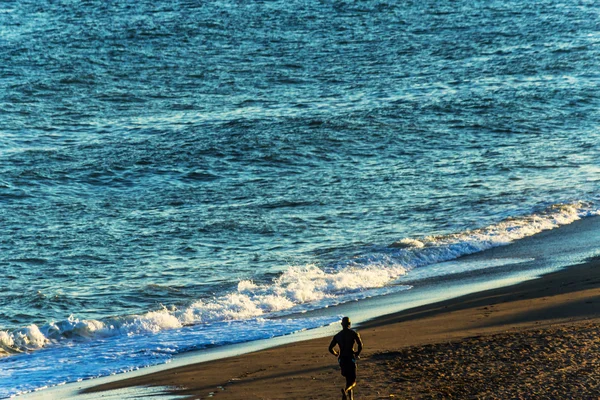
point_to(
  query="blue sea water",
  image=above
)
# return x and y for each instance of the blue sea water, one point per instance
(173, 171)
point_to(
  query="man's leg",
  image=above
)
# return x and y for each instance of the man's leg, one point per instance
(344, 373)
(350, 384)
(348, 368)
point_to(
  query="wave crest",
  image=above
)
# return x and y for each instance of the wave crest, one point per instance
(302, 288)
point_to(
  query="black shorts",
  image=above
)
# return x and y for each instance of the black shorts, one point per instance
(348, 367)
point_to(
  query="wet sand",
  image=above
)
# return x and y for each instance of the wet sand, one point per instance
(537, 339)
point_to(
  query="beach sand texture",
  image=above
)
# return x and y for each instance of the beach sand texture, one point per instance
(537, 339)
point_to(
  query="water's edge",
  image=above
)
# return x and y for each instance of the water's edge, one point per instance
(377, 307)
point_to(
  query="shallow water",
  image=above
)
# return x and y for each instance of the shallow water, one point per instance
(170, 168)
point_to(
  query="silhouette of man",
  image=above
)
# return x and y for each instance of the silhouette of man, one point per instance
(345, 340)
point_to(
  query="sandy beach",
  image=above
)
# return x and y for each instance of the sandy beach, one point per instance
(537, 339)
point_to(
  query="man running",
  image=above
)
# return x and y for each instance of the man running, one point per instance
(345, 339)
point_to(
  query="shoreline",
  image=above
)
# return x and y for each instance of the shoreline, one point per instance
(305, 370)
(521, 266)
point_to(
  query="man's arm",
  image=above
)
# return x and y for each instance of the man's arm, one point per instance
(331, 347)
(359, 343)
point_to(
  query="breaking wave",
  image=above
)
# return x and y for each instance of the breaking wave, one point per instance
(302, 288)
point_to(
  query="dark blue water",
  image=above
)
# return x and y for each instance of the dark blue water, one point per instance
(175, 163)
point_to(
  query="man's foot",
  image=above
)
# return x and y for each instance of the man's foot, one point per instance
(344, 395)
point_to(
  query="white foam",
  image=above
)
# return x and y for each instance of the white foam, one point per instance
(7, 342)
(298, 286)
(23, 339)
(295, 287)
(301, 288)
(453, 246)
(408, 243)
(412, 253)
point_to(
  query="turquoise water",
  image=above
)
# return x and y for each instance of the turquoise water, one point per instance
(172, 171)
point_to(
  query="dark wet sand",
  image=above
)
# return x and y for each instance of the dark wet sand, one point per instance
(537, 339)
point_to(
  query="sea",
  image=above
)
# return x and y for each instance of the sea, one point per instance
(180, 175)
